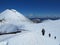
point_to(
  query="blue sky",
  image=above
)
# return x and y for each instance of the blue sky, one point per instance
(35, 8)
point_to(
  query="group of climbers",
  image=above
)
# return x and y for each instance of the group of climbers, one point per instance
(43, 33)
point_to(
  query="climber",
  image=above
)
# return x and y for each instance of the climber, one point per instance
(49, 35)
(43, 32)
(55, 37)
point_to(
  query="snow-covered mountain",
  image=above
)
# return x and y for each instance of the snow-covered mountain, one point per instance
(13, 20)
(10, 19)
(13, 16)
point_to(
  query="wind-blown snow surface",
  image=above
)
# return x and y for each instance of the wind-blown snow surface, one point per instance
(33, 34)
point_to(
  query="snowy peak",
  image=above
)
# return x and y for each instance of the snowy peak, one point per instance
(13, 16)
(13, 10)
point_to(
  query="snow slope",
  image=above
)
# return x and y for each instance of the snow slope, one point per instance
(8, 28)
(31, 38)
(3, 43)
(52, 27)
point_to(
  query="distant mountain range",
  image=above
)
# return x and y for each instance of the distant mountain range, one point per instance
(38, 20)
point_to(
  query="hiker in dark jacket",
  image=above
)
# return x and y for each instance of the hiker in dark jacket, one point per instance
(55, 37)
(43, 32)
(49, 35)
